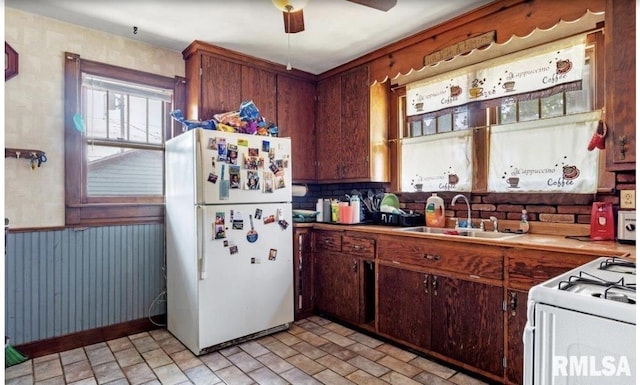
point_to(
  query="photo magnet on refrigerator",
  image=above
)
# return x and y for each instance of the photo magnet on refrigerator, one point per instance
(252, 235)
(219, 226)
(273, 253)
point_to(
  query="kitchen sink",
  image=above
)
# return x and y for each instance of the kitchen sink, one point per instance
(474, 233)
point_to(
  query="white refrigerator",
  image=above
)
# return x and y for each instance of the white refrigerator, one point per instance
(229, 237)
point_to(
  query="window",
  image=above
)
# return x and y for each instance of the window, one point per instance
(117, 121)
(506, 90)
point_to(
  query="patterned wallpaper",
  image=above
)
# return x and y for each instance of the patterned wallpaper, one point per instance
(34, 105)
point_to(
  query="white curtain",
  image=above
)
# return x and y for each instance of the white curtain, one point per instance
(548, 155)
(440, 162)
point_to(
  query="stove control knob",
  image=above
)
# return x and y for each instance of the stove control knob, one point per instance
(630, 227)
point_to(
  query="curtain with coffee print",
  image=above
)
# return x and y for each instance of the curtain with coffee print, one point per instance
(440, 162)
(556, 69)
(548, 155)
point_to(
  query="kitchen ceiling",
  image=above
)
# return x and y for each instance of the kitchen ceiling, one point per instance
(336, 31)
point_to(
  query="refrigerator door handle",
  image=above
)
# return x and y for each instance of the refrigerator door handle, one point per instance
(201, 244)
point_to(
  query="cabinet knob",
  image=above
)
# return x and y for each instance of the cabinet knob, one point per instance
(425, 283)
(355, 265)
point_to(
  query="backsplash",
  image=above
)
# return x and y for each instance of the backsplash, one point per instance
(552, 208)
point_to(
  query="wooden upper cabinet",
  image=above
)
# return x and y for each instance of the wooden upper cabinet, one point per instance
(328, 121)
(219, 89)
(296, 120)
(352, 123)
(620, 78)
(260, 86)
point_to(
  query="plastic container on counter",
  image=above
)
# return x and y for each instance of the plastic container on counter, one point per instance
(434, 211)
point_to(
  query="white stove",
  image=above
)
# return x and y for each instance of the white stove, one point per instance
(581, 326)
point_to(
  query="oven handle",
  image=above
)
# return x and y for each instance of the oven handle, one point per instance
(527, 339)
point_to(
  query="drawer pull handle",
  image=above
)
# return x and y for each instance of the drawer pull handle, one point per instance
(356, 247)
(355, 265)
(432, 257)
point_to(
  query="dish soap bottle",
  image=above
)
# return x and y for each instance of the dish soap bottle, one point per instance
(434, 211)
(524, 222)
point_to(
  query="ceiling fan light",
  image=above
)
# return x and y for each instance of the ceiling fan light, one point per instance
(296, 5)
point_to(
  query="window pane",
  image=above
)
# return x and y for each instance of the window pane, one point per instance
(528, 110)
(508, 111)
(137, 119)
(96, 114)
(444, 123)
(461, 118)
(416, 128)
(429, 126)
(156, 119)
(117, 116)
(552, 106)
(116, 171)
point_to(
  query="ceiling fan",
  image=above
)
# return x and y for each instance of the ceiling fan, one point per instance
(294, 18)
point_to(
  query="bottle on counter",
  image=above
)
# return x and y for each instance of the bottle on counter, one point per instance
(434, 211)
(326, 210)
(355, 205)
(319, 210)
(334, 210)
(524, 222)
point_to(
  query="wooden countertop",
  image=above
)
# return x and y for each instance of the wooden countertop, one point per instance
(529, 241)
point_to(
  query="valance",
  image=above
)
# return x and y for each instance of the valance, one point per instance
(497, 80)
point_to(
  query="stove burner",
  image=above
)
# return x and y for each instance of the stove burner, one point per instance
(584, 277)
(618, 265)
(618, 297)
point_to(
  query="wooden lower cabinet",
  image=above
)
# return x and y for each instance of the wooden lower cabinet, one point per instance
(404, 305)
(336, 286)
(344, 277)
(527, 268)
(456, 318)
(467, 322)
(516, 322)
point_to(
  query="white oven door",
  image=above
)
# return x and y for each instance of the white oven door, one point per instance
(572, 348)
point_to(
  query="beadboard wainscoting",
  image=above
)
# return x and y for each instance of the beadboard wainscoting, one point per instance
(66, 281)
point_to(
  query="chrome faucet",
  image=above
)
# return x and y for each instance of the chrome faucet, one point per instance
(494, 222)
(453, 202)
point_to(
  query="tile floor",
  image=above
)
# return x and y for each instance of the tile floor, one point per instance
(313, 351)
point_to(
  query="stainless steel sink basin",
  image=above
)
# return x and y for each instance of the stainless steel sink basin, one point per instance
(475, 233)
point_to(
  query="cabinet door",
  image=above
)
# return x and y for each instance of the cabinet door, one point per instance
(467, 322)
(620, 98)
(296, 120)
(302, 273)
(260, 86)
(516, 321)
(328, 120)
(336, 285)
(404, 309)
(220, 90)
(355, 124)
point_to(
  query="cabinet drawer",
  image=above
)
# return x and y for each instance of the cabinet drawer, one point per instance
(360, 247)
(530, 267)
(327, 241)
(474, 260)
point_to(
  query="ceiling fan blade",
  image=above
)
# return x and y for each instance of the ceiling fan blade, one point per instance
(382, 5)
(293, 21)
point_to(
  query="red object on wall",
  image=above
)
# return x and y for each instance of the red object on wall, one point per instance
(602, 228)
